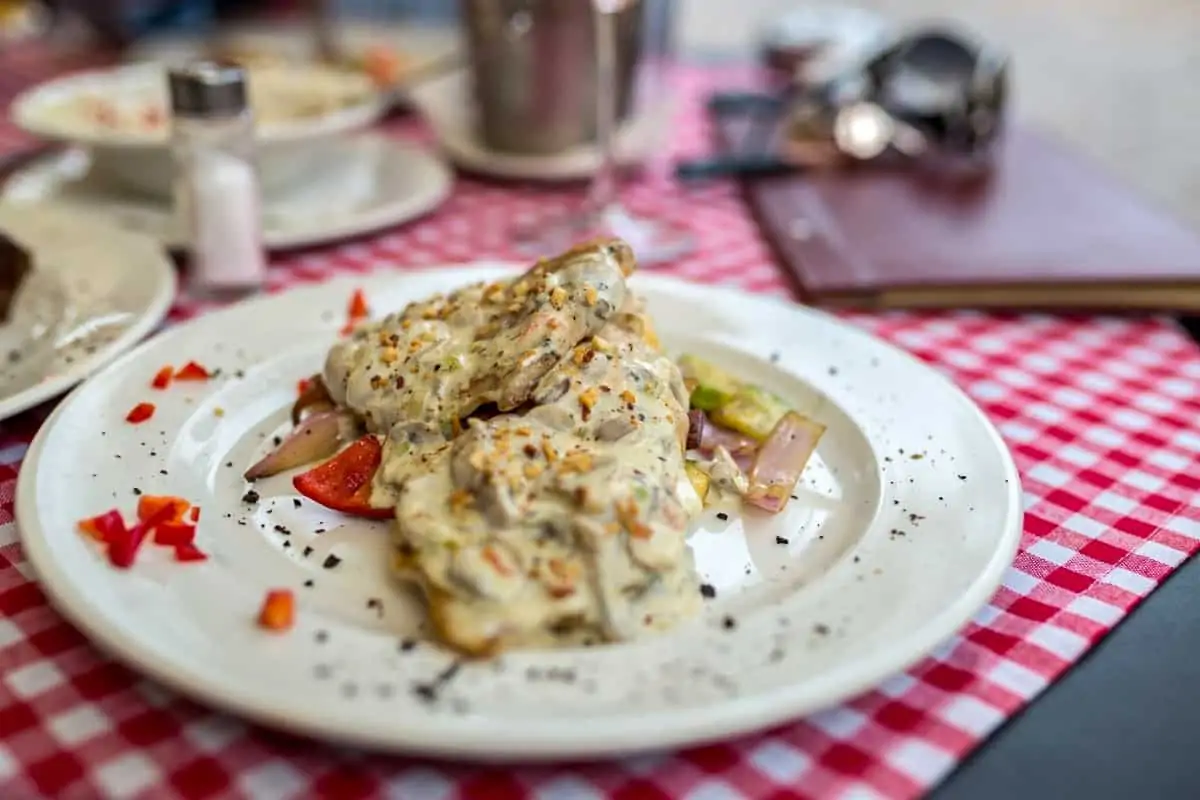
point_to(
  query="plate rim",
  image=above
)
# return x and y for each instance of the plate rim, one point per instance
(128, 340)
(688, 727)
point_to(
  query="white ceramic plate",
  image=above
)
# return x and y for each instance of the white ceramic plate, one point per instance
(446, 104)
(905, 522)
(94, 293)
(361, 184)
(57, 109)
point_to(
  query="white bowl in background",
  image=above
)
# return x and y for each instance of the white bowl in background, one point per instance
(120, 115)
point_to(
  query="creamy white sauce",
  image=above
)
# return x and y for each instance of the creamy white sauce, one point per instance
(562, 515)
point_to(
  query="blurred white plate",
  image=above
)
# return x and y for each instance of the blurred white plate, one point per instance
(139, 156)
(904, 524)
(94, 293)
(360, 184)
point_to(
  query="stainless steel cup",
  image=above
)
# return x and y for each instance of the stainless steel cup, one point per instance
(533, 70)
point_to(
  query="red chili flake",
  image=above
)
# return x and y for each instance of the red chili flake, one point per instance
(104, 527)
(278, 612)
(302, 385)
(189, 552)
(140, 413)
(174, 534)
(358, 306)
(195, 513)
(162, 378)
(191, 371)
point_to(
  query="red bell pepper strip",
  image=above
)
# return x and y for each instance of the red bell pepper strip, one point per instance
(162, 378)
(174, 534)
(358, 306)
(122, 550)
(191, 371)
(140, 413)
(343, 483)
(149, 506)
(278, 612)
(104, 527)
(189, 552)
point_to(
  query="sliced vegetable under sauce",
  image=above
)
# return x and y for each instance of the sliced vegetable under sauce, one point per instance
(317, 437)
(781, 460)
(344, 482)
(140, 413)
(699, 479)
(314, 397)
(712, 386)
(278, 612)
(752, 411)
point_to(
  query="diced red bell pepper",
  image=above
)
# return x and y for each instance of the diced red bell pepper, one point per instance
(195, 514)
(189, 552)
(162, 378)
(278, 612)
(174, 534)
(358, 306)
(104, 527)
(150, 505)
(191, 371)
(140, 413)
(343, 483)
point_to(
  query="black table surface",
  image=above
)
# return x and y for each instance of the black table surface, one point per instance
(1122, 723)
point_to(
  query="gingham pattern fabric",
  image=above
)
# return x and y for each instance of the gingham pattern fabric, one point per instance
(1099, 413)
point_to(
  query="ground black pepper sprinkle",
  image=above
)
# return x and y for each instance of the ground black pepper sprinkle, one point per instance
(307, 551)
(250, 497)
(296, 502)
(857, 559)
(821, 629)
(408, 645)
(774, 358)
(137, 490)
(322, 671)
(962, 477)
(282, 529)
(331, 561)
(308, 584)
(708, 590)
(322, 636)
(287, 543)
(721, 515)
(729, 623)
(780, 540)
(277, 440)
(377, 604)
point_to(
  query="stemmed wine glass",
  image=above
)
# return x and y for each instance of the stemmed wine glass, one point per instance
(602, 212)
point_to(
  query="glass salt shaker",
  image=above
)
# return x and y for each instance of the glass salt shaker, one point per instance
(216, 186)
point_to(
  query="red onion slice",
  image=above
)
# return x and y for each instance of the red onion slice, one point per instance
(780, 460)
(317, 437)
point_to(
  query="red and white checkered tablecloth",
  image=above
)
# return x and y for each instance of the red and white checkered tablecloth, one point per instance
(1099, 413)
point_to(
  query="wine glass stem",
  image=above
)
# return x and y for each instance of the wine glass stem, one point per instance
(603, 190)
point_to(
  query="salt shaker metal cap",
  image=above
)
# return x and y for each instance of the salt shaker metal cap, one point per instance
(208, 89)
